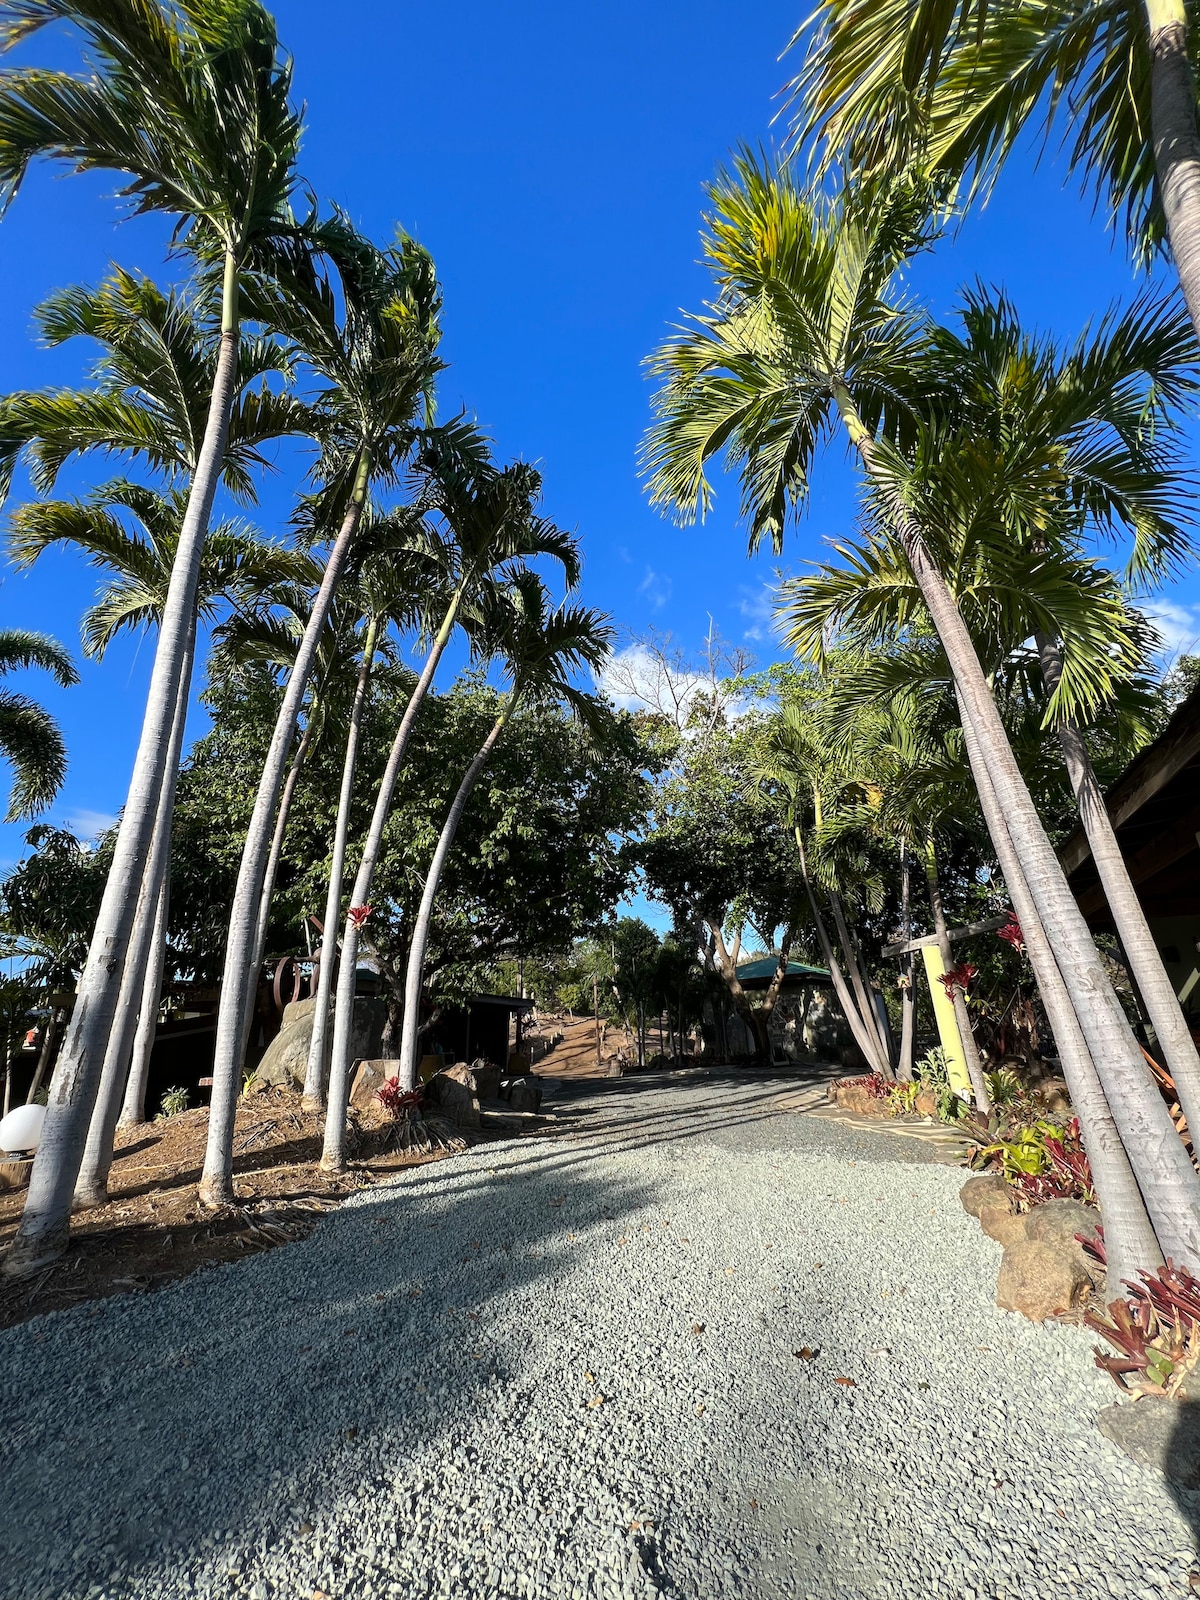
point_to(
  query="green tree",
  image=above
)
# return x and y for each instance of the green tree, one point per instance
(30, 739)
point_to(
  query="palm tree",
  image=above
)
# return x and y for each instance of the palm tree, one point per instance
(954, 86)
(394, 584)
(193, 109)
(235, 563)
(30, 739)
(489, 521)
(377, 363)
(542, 648)
(805, 332)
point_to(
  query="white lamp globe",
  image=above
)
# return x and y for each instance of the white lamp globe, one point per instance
(21, 1129)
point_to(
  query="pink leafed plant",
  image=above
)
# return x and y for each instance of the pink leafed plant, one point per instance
(1155, 1330)
(1011, 934)
(359, 914)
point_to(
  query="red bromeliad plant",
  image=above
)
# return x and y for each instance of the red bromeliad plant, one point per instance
(1155, 1330)
(1011, 934)
(877, 1087)
(358, 915)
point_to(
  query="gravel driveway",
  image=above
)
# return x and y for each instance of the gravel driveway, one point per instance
(684, 1345)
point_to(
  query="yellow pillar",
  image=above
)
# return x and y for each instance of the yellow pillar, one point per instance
(947, 1023)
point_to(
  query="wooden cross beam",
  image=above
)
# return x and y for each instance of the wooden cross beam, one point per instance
(928, 940)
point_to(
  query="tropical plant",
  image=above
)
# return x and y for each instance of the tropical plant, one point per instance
(192, 107)
(489, 522)
(30, 739)
(174, 1103)
(377, 362)
(807, 329)
(953, 86)
(1154, 1329)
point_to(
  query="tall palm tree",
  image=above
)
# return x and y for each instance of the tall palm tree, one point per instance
(30, 739)
(955, 85)
(192, 107)
(377, 362)
(543, 649)
(489, 519)
(140, 558)
(807, 332)
(394, 587)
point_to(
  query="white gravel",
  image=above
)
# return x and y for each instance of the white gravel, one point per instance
(486, 1379)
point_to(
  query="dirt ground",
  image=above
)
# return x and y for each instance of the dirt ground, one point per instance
(153, 1229)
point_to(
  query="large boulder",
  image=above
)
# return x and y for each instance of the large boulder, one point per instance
(286, 1057)
(1003, 1224)
(1058, 1221)
(1041, 1281)
(451, 1093)
(487, 1080)
(525, 1094)
(987, 1189)
(367, 1078)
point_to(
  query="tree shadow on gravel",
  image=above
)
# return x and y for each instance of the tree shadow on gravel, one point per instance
(158, 1432)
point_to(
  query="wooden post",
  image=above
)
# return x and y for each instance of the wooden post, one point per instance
(596, 1013)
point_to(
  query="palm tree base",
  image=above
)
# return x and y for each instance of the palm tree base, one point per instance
(29, 1255)
(87, 1196)
(216, 1194)
(333, 1164)
(312, 1102)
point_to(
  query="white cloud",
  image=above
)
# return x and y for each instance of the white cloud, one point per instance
(656, 588)
(758, 608)
(1179, 625)
(88, 824)
(638, 679)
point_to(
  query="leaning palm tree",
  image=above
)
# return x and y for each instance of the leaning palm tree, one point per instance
(955, 85)
(806, 331)
(542, 650)
(140, 558)
(30, 739)
(377, 361)
(192, 107)
(489, 520)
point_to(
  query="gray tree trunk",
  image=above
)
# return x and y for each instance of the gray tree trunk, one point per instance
(908, 993)
(45, 1223)
(1128, 1235)
(1141, 952)
(272, 867)
(45, 1056)
(861, 985)
(961, 1015)
(91, 1186)
(424, 917)
(1165, 1175)
(234, 1013)
(133, 1109)
(1176, 142)
(318, 1051)
(334, 1157)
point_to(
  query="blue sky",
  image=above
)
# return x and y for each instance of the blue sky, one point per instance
(552, 159)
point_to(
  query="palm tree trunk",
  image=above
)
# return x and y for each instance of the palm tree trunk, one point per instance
(1164, 1171)
(91, 1185)
(45, 1222)
(133, 1110)
(1176, 141)
(961, 1015)
(318, 1052)
(865, 1037)
(861, 985)
(908, 993)
(424, 917)
(343, 1007)
(272, 867)
(46, 1055)
(1128, 1236)
(234, 1014)
(1141, 952)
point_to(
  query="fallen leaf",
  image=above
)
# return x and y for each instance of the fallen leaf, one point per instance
(754, 1505)
(634, 1526)
(590, 1376)
(846, 1383)
(381, 1297)
(699, 1411)
(305, 1527)
(817, 1264)
(348, 1333)
(685, 1241)
(596, 1400)
(698, 1327)
(1061, 1512)
(806, 1353)
(623, 1241)
(352, 1433)
(922, 1386)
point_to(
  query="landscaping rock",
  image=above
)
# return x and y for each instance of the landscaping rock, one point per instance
(452, 1092)
(925, 1105)
(1057, 1222)
(1040, 1281)
(487, 1081)
(1163, 1434)
(367, 1078)
(285, 1059)
(853, 1097)
(1055, 1091)
(525, 1094)
(988, 1189)
(1003, 1225)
